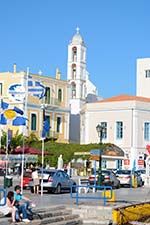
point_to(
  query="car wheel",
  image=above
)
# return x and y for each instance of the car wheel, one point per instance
(58, 189)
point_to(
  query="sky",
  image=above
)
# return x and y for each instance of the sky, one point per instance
(36, 34)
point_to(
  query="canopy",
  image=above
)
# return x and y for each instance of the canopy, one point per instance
(29, 150)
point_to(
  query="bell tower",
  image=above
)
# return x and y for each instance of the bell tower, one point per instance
(77, 69)
(76, 77)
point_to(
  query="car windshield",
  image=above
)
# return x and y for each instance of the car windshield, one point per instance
(125, 172)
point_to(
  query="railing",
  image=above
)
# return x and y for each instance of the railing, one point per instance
(2, 197)
(75, 193)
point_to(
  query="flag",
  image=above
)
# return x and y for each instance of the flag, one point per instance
(46, 128)
(11, 115)
(36, 88)
(46, 125)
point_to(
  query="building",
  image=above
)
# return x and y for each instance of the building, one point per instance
(126, 122)
(143, 77)
(55, 104)
(82, 90)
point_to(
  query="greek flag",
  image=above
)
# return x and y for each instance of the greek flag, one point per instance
(36, 88)
(11, 115)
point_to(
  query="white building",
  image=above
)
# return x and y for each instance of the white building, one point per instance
(81, 88)
(143, 77)
(127, 124)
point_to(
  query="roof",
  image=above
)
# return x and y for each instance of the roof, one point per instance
(77, 38)
(120, 98)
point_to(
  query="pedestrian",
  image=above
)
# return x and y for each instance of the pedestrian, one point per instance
(22, 203)
(9, 207)
(36, 181)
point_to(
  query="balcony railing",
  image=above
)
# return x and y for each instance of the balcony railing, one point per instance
(53, 101)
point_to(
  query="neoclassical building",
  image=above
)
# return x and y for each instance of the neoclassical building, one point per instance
(63, 100)
(125, 119)
(55, 103)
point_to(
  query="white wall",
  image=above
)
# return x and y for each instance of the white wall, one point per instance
(143, 83)
(132, 113)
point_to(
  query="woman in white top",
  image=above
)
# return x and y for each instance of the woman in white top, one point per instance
(9, 207)
(36, 181)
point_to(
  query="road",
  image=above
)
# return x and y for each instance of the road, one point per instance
(123, 195)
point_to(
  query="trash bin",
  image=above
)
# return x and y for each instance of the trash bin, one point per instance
(8, 181)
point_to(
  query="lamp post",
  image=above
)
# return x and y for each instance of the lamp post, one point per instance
(100, 130)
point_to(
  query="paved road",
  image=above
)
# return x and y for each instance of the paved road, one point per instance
(123, 195)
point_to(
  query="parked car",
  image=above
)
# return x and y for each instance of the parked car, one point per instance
(108, 179)
(142, 173)
(27, 178)
(125, 177)
(55, 181)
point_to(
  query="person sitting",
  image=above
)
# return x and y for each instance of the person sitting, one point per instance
(22, 203)
(9, 208)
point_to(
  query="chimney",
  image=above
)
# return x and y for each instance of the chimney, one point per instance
(15, 68)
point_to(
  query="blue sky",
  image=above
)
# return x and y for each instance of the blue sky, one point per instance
(36, 33)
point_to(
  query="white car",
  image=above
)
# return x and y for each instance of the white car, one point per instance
(125, 177)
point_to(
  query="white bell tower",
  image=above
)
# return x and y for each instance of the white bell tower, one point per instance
(76, 77)
(77, 70)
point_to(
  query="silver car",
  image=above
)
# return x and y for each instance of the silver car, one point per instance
(55, 181)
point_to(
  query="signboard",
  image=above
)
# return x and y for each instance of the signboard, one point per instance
(18, 158)
(140, 163)
(95, 157)
(82, 153)
(126, 162)
(96, 152)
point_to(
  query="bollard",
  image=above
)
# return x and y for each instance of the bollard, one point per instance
(134, 181)
(109, 195)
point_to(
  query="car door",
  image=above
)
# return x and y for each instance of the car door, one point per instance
(66, 180)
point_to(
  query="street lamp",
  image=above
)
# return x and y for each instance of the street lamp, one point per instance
(100, 130)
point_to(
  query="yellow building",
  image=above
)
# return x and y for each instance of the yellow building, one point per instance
(55, 103)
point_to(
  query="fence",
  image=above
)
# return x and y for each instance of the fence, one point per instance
(76, 191)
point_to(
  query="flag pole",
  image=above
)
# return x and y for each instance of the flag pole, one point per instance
(25, 107)
(43, 117)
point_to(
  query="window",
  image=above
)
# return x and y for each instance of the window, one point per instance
(74, 54)
(58, 129)
(47, 95)
(59, 95)
(118, 164)
(73, 71)
(1, 88)
(147, 131)
(104, 130)
(73, 90)
(33, 121)
(104, 163)
(147, 73)
(119, 130)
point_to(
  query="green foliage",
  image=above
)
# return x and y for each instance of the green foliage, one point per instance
(31, 139)
(66, 150)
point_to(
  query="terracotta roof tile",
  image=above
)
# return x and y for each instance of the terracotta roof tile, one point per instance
(119, 98)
